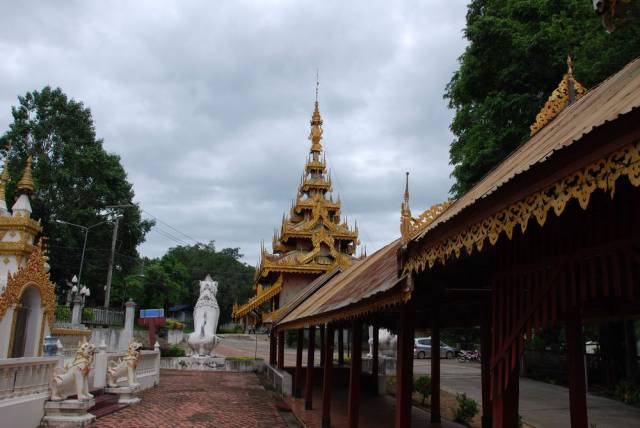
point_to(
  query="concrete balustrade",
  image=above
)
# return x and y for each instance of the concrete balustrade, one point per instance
(24, 387)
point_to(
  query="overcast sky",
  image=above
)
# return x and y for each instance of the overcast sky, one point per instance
(208, 103)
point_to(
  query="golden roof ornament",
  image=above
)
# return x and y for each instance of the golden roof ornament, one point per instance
(316, 124)
(26, 185)
(405, 214)
(568, 91)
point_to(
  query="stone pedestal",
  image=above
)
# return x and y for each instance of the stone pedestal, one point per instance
(126, 394)
(68, 413)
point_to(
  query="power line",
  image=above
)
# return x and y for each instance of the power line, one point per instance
(169, 226)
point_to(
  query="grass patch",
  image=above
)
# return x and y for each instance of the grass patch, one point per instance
(243, 359)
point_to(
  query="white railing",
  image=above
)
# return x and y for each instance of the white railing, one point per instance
(20, 377)
(102, 316)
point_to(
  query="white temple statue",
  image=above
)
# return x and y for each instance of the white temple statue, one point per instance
(205, 320)
(386, 340)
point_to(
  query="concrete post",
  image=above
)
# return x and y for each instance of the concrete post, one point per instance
(156, 348)
(76, 314)
(60, 354)
(100, 366)
(127, 332)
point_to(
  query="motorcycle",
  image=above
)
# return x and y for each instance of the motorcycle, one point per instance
(469, 356)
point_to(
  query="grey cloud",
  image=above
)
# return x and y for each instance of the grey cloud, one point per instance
(208, 104)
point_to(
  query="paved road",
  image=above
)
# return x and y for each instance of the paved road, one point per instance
(541, 404)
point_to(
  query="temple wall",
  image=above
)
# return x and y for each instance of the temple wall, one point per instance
(294, 283)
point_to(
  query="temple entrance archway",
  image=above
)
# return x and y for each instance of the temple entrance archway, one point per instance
(26, 333)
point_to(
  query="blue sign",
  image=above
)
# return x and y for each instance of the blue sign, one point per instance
(151, 313)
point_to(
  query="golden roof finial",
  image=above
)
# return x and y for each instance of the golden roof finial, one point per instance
(405, 214)
(316, 124)
(569, 66)
(26, 185)
(566, 93)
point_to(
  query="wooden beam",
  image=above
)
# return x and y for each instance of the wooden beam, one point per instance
(281, 349)
(354, 374)
(404, 367)
(375, 358)
(308, 387)
(273, 348)
(577, 382)
(322, 342)
(485, 352)
(340, 346)
(297, 378)
(435, 367)
(327, 383)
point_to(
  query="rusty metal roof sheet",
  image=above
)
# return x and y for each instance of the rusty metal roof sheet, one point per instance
(612, 98)
(376, 274)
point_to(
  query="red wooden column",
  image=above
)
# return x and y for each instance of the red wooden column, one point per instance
(577, 383)
(322, 342)
(505, 402)
(404, 367)
(281, 349)
(297, 379)
(374, 358)
(308, 386)
(327, 377)
(435, 365)
(354, 374)
(485, 351)
(341, 346)
(273, 348)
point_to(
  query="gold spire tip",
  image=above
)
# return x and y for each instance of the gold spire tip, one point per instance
(26, 184)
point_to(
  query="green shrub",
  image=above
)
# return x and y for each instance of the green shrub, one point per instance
(169, 323)
(172, 351)
(422, 385)
(465, 410)
(236, 329)
(63, 313)
(628, 393)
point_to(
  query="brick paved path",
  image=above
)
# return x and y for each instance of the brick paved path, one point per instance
(200, 399)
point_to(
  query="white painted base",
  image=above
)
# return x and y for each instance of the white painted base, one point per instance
(23, 412)
(126, 394)
(68, 413)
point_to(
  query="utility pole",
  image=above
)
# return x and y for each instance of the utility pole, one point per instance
(107, 293)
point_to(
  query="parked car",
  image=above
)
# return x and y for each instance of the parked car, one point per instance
(422, 349)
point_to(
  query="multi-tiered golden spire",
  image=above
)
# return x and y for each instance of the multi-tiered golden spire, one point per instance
(4, 179)
(312, 239)
(26, 185)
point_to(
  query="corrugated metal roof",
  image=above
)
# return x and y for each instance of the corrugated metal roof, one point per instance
(374, 275)
(617, 95)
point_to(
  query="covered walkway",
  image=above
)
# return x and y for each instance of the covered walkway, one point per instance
(376, 411)
(548, 238)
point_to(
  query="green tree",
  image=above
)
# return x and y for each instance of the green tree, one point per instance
(76, 179)
(515, 58)
(174, 278)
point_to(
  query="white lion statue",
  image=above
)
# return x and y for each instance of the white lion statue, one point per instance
(74, 374)
(205, 320)
(125, 366)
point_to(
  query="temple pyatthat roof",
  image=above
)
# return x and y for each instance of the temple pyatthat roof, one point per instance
(313, 238)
